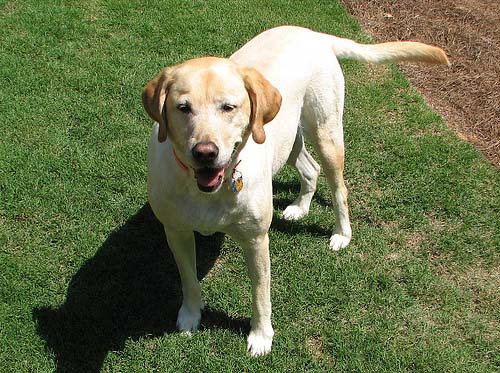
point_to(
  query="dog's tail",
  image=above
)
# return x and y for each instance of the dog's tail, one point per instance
(389, 52)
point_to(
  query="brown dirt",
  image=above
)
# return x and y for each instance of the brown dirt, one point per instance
(467, 94)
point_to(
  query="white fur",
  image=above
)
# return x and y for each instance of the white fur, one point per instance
(303, 66)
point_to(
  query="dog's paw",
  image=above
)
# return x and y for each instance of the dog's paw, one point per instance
(338, 241)
(259, 344)
(294, 212)
(188, 319)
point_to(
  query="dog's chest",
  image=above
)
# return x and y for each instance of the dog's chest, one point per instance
(206, 216)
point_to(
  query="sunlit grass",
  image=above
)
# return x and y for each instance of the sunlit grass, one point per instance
(87, 282)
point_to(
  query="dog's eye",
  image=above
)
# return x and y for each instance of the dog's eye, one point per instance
(228, 108)
(185, 108)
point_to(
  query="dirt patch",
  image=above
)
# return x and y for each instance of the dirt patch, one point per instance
(467, 95)
(315, 347)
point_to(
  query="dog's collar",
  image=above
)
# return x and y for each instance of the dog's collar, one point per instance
(236, 176)
(179, 162)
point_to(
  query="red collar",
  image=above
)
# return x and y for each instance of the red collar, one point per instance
(181, 165)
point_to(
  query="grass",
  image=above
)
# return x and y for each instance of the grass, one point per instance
(87, 282)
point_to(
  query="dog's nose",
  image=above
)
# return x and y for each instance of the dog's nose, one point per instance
(205, 152)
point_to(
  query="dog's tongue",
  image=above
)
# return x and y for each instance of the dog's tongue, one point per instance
(209, 177)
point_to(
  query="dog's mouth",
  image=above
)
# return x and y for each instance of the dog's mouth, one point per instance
(209, 179)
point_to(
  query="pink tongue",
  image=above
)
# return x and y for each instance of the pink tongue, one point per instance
(209, 177)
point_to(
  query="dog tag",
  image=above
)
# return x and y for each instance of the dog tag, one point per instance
(237, 183)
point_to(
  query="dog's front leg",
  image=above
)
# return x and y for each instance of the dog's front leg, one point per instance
(261, 334)
(183, 247)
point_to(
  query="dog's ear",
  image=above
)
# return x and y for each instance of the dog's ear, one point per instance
(265, 102)
(154, 96)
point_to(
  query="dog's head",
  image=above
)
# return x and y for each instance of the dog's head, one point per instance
(208, 108)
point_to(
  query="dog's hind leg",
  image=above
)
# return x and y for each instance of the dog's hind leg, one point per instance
(323, 127)
(330, 149)
(308, 170)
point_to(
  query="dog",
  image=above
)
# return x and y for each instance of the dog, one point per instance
(225, 126)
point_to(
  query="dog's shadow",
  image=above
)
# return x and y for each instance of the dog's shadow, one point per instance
(129, 289)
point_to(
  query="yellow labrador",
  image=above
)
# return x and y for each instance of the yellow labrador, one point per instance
(226, 126)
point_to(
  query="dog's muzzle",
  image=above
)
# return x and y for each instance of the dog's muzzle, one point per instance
(208, 177)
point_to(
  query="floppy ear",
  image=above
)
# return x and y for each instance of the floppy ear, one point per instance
(154, 96)
(265, 102)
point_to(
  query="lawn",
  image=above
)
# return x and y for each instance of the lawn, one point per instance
(87, 282)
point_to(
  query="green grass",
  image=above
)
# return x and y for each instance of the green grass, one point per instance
(87, 282)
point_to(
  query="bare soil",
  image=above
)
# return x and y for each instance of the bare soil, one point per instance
(467, 94)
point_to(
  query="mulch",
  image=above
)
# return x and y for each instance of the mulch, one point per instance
(467, 94)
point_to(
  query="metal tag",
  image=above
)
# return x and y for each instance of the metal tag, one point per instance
(237, 182)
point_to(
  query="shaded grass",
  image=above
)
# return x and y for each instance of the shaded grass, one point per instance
(86, 280)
